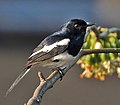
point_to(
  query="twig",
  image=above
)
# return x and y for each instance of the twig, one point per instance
(104, 35)
(47, 83)
(111, 30)
(103, 50)
(95, 29)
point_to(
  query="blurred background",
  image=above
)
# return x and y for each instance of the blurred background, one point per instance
(24, 23)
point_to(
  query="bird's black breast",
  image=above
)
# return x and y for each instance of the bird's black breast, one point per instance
(75, 46)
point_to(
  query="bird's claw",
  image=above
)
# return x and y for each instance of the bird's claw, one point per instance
(61, 74)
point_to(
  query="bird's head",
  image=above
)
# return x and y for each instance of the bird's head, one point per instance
(77, 26)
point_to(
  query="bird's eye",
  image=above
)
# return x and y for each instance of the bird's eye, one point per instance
(77, 26)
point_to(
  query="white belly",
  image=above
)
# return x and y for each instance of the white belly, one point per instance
(63, 59)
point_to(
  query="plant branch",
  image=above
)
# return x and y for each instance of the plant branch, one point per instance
(47, 83)
(105, 34)
(96, 51)
(111, 30)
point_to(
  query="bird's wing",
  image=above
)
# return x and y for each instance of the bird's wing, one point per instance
(49, 48)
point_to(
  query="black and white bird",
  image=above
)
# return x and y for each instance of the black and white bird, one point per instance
(58, 49)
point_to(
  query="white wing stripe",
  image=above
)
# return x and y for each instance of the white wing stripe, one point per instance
(50, 47)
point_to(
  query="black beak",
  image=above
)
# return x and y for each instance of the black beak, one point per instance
(89, 24)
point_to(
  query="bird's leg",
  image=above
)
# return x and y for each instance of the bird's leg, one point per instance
(61, 72)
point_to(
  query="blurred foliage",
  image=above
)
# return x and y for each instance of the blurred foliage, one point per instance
(101, 65)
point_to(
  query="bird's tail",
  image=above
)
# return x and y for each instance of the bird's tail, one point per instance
(24, 72)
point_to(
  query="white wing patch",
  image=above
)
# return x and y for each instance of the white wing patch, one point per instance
(50, 47)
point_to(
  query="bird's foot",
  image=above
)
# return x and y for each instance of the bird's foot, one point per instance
(61, 73)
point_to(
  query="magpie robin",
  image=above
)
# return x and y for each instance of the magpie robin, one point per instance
(57, 50)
